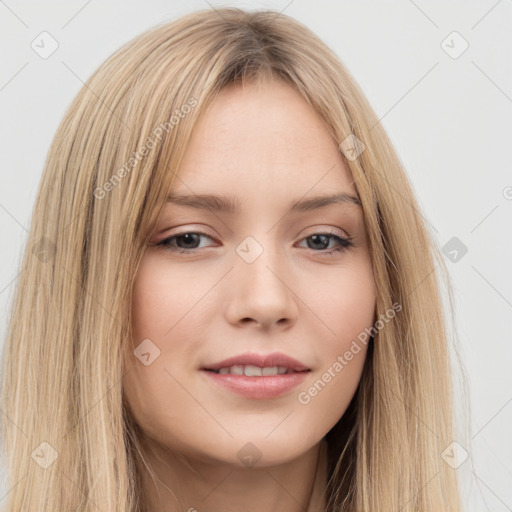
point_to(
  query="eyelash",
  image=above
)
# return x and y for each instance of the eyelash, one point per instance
(344, 243)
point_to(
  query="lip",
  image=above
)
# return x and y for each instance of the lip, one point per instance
(261, 360)
(269, 386)
(264, 387)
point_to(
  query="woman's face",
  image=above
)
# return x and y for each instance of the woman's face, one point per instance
(255, 281)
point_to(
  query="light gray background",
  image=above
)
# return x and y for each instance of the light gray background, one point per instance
(449, 118)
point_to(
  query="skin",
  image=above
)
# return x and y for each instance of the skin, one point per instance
(266, 146)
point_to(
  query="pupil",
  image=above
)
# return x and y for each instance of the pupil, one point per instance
(188, 236)
(324, 239)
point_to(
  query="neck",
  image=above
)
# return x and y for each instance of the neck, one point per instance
(189, 484)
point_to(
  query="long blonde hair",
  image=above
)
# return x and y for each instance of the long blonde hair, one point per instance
(67, 438)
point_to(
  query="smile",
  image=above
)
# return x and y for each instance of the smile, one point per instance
(251, 382)
(253, 371)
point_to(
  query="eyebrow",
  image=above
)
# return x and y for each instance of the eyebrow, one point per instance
(232, 205)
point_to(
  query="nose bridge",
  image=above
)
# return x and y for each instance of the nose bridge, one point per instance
(260, 263)
(259, 287)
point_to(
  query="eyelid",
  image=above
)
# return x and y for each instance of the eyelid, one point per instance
(182, 230)
(345, 241)
(190, 229)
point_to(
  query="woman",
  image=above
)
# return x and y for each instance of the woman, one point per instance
(141, 373)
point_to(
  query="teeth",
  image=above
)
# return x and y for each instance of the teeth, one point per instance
(254, 371)
(237, 370)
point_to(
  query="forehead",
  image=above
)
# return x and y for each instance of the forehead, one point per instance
(259, 139)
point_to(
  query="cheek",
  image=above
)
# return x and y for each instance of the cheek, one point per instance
(342, 356)
(347, 312)
(344, 302)
(162, 297)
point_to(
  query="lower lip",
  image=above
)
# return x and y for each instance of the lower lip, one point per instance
(269, 386)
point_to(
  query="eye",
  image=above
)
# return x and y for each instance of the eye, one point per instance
(323, 239)
(187, 242)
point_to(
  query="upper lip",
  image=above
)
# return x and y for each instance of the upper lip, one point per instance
(261, 360)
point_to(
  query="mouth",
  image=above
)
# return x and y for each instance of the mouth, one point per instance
(257, 365)
(259, 386)
(254, 371)
(257, 376)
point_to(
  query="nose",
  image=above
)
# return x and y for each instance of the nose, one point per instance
(261, 292)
